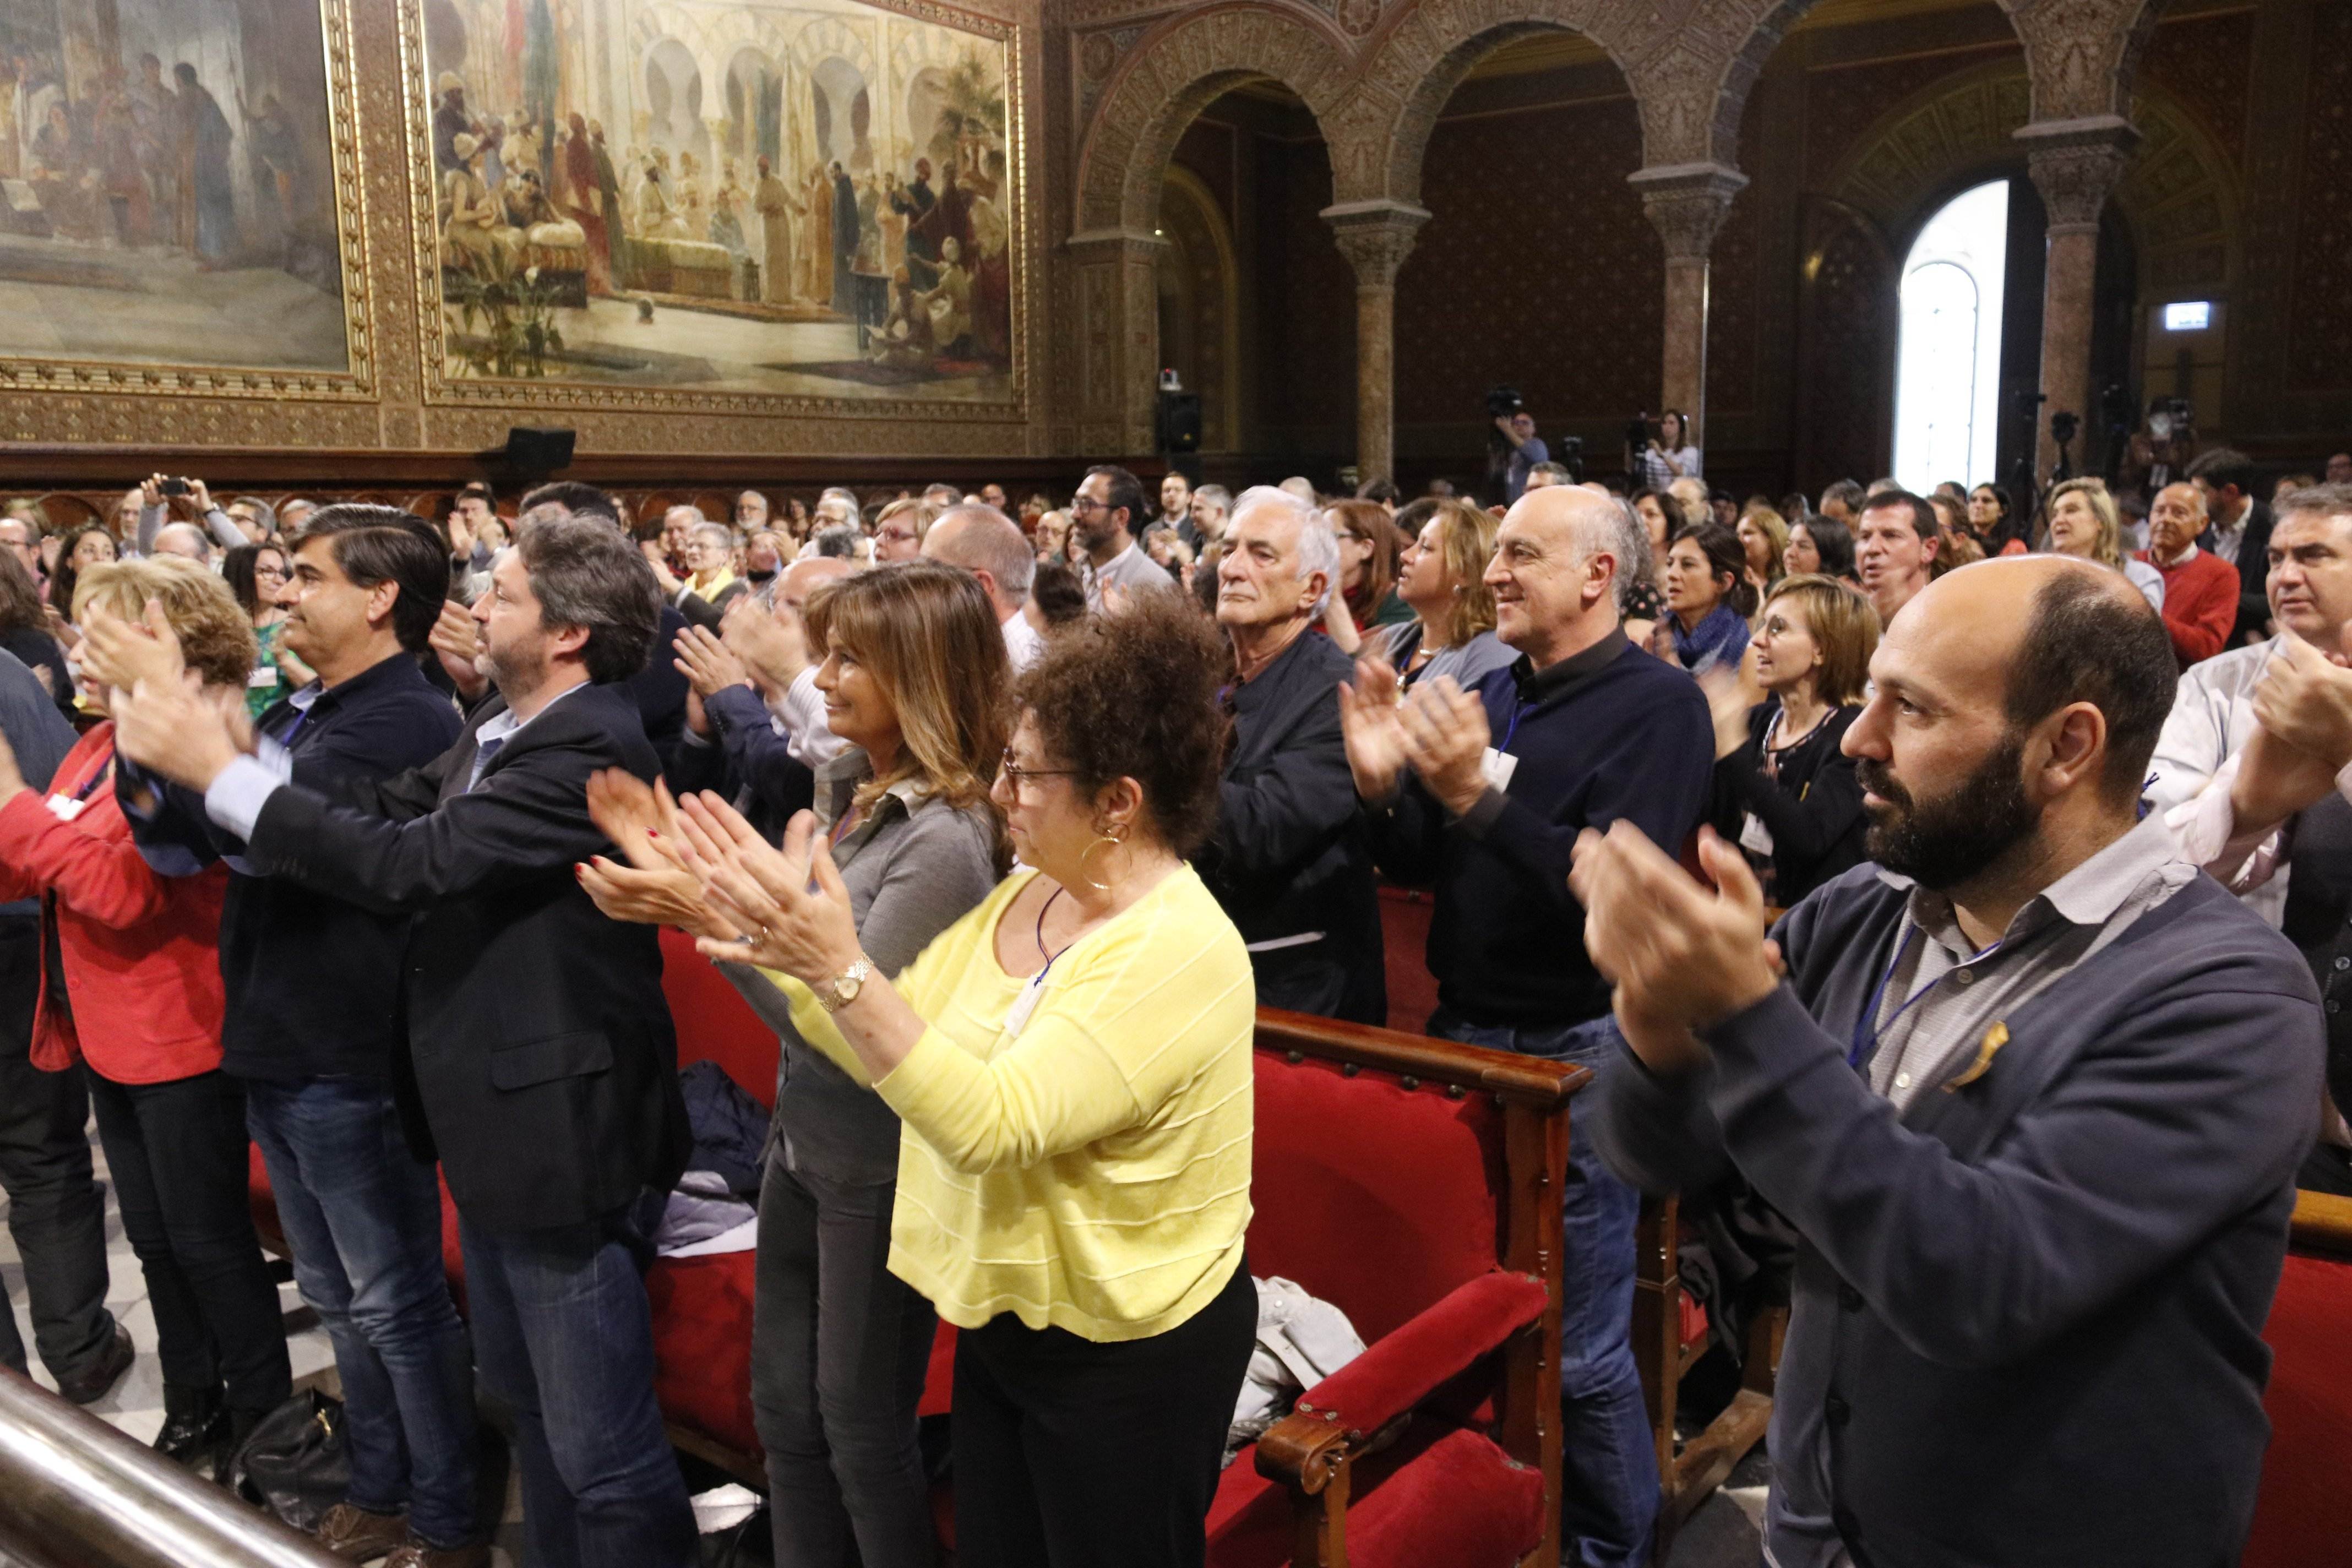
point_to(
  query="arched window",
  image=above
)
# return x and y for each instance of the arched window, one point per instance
(1948, 368)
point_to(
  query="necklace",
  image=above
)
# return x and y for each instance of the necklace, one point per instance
(1041, 913)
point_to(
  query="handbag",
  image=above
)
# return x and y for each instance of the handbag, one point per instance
(293, 1463)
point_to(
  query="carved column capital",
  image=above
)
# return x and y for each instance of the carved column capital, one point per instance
(1686, 203)
(2074, 163)
(1375, 237)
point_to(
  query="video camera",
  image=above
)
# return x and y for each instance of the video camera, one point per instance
(1502, 402)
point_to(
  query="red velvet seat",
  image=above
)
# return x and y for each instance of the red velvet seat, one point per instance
(2307, 1474)
(1413, 1182)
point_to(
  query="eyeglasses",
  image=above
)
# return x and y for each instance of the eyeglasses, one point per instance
(1087, 504)
(278, 572)
(1015, 774)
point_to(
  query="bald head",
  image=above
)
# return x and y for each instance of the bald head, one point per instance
(802, 578)
(1559, 559)
(988, 544)
(2005, 644)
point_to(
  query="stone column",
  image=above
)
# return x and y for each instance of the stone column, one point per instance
(2074, 163)
(1686, 203)
(1114, 289)
(1375, 236)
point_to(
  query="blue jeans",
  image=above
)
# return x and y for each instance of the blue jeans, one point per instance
(1609, 1463)
(364, 1218)
(566, 1341)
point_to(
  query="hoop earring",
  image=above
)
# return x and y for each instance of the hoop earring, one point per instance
(1100, 839)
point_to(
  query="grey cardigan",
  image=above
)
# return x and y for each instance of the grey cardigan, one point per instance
(913, 868)
(2028, 1312)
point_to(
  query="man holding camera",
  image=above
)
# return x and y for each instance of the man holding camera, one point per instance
(1518, 432)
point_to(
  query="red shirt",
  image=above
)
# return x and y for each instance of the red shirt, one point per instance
(2200, 603)
(141, 952)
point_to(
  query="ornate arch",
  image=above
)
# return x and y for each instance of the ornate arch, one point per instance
(2183, 197)
(1417, 63)
(2082, 54)
(825, 36)
(1933, 143)
(1177, 70)
(659, 23)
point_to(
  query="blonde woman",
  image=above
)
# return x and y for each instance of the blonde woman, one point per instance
(915, 677)
(1764, 537)
(1443, 581)
(1784, 790)
(2083, 523)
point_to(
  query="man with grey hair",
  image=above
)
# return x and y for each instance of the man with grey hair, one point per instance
(676, 555)
(989, 544)
(1480, 795)
(834, 507)
(1288, 861)
(182, 539)
(750, 512)
(1204, 519)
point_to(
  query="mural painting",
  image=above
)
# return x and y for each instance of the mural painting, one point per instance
(167, 185)
(810, 199)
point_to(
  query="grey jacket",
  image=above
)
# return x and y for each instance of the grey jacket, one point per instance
(913, 868)
(2028, 1312)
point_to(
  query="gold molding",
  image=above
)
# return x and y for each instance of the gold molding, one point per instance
(355, 384)
(546, 395)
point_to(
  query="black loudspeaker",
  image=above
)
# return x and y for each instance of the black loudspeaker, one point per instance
(538, 452)
(1180, 422)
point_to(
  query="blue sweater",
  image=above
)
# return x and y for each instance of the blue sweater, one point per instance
(1607, 734)
(2027, 1317)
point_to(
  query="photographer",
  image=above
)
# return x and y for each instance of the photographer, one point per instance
(1518, 432)
(2157, 455)
(1666, 452)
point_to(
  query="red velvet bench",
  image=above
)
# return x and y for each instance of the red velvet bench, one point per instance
(2299, 1514)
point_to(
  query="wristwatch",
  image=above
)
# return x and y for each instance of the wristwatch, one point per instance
(843, 989)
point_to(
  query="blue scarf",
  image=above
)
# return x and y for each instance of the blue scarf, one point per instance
(1721, 638)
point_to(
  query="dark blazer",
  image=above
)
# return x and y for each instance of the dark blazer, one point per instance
(1289, 857)
(314, 982)
(2028, 1312)
(2254, 574)
(542, 1066)
(746, 761)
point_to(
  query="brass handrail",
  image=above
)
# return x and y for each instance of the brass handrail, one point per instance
(76, 1493)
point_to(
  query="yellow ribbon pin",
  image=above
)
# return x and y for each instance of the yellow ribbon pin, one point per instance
(1994, 1038)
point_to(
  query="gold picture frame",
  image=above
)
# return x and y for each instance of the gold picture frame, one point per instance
(357, 381)
(555, 396)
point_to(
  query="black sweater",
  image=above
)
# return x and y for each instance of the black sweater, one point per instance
(1607, 734)
(1813, 811)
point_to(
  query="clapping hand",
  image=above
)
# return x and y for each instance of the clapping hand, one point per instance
(1445, 737)
(461, 537)
(659, 885)
(791, 901)
(174, 730)
(1375, 739)
(1682, 957)
(457, 640)
(771, 643)
(1731, 690)
(122, 654)
(2304, 699)
(708, 665)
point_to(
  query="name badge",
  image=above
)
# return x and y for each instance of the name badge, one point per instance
(1497, 767)
(1017, 1019)
(1754, 836)
(65, 808)
(263, 678)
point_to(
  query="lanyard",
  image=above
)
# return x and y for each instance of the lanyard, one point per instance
(1510, 734)
(1865, 1032)
(105, 770)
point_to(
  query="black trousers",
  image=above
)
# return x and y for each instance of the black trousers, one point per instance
(56, 1212)
(177, 1153)
(1070, 1454)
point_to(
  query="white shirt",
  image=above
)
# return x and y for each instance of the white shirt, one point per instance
(1022, 642)
(799, 716)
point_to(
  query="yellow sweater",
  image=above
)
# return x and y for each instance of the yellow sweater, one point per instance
(1093, 1171)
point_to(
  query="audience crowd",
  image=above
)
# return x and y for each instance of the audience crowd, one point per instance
(346, 833)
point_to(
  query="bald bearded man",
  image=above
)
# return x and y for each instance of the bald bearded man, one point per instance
(2033, 1096)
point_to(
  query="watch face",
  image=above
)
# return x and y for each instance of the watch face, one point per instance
(847, 987)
